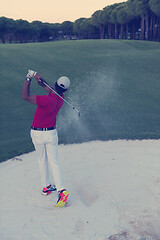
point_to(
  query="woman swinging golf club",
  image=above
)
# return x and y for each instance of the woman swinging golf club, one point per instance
(44, 133)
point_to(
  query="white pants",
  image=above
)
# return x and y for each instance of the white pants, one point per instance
(46, 145)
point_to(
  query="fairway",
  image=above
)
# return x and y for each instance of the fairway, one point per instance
(115, 84)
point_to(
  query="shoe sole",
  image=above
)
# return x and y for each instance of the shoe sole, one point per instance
(47, 193)
(63, 200)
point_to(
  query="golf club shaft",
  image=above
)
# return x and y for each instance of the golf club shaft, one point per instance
(60, 96)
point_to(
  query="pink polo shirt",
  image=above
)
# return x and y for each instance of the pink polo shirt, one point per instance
(47, 110)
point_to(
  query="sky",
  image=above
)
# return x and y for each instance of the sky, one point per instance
(52, 11)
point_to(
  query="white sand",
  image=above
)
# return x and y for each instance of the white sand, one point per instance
(114, 191)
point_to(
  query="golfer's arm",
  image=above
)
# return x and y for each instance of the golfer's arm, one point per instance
(43, 83)
(47, 89)
(26, 93)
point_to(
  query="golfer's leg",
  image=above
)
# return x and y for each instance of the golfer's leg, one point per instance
(38, 139)
(52, 154)
(43, 165)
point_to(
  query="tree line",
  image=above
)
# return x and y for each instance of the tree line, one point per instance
(133, 19)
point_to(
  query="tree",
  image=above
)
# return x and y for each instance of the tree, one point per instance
(56, 29)
(92, 31)
(42, 31)
(123, 19)
(109, 17)
(155, 23)
(67, 28)
(78, 29)
(45, 32)
(140, 8)
(114, 18)
(23, 31)
(7, 29)
(155, 6)
(98, 20)
(36, 26)
(137, 19)
(88, 30)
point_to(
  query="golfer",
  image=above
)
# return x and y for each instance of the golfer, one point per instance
(44, 133)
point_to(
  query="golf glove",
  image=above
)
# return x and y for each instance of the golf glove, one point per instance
(30, 75)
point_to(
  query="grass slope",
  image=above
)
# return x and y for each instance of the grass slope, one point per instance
(115, 84)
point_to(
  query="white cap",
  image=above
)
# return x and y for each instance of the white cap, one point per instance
(63, 82)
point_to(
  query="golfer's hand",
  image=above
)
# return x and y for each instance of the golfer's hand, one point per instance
(38, 78)
(30, 75)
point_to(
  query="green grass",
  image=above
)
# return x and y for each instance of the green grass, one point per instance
(115, 85)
